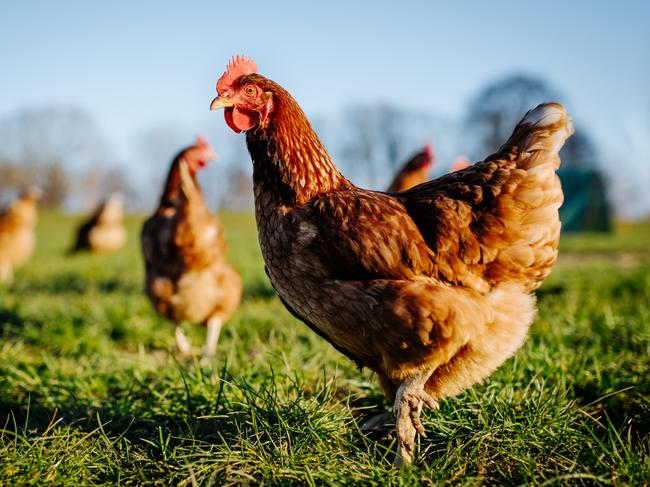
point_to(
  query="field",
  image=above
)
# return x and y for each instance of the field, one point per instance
(91, 392)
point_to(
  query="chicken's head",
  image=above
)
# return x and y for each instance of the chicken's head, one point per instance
(422, 160)
(33, 193)
(244, 100)
(199, 155)
(427, 156)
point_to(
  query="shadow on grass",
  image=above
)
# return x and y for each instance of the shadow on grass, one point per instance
(546, 291)
(71, 282)
(10, 318)
(13, 323)
(237, 416)
(628, 408)
(259, 289)
(137, 419)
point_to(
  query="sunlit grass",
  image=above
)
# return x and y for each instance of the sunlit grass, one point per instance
(90, 391)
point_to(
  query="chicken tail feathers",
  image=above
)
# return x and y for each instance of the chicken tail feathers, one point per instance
(539, 136)
(532, 194)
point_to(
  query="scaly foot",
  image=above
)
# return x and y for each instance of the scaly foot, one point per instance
(408, 408)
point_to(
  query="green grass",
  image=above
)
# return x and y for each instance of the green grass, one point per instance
(90, 391)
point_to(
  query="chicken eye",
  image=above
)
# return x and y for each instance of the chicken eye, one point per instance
(249, 90)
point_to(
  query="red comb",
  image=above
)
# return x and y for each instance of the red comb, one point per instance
(238, 66)
(428, 149)
(201, 142)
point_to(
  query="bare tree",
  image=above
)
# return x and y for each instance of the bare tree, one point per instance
(376, 138)
(497, 108)
(97, 183)
(493, 114)
(55, 184)
(45, 146)
(155, 148)
(579, 151)
(237, 192)
(375, 133)
(157, 145)
(14, 176)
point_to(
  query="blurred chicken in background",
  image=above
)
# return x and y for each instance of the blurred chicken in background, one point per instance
(461, 162)
(104, 231)
(17, 239)
(184, 247)
(414, 171)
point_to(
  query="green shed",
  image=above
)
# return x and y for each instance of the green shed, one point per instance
(586, 207)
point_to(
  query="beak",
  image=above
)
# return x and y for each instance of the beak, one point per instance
(219, 102)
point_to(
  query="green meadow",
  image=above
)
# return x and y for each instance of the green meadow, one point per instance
(91, 392)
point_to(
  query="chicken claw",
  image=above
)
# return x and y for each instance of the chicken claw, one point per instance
(408, 408)
(183, 343)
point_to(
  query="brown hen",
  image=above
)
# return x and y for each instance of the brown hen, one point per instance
(17, 239)
(187, 276)
(103, 232)
(430, 288)
(414, 171)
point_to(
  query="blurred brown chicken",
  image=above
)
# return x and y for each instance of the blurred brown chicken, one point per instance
(460, 163)
(414, 171)
(430, 288)
(17, 239)
(188, 278)
(104, 231)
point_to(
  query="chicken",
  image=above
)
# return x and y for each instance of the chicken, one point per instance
(104, 231)
(414, 171)
(430, 288)
(187, 277)
(461, 162)
(17, 239)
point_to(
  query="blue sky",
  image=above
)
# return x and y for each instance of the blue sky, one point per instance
(138, 64)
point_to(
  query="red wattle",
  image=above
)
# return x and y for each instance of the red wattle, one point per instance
(243, 119)
(227, 114)
(239, 120)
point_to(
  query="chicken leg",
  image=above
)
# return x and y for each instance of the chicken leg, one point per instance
(183, 343)
(211, 339)
(409, 400)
